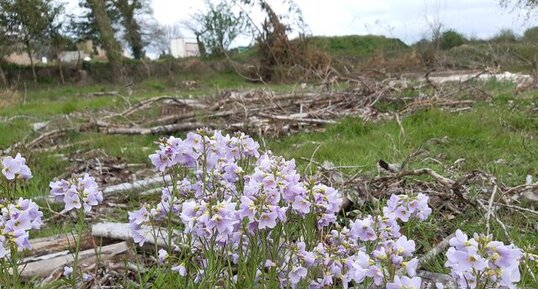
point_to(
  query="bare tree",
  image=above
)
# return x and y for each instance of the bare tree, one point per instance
(528, 5)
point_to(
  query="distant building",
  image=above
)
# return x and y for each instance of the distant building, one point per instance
(73, 56)
(184, 47)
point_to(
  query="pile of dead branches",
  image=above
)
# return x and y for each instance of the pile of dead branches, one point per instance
(263, 112)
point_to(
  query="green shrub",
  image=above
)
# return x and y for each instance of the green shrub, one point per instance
(531, 34)
(357, 45)
(450, 39)
(505, 36)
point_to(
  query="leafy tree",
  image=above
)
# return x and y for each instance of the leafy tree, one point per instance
(531, 35)
(5, 45)
(128, 10)
(131, 21)
(218, 27)
(450, 39)
(30, 23)
(106, 33)
(505, 36)
(84, 27)
(59, 42)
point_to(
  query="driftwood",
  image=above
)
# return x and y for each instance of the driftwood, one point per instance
(104, 93)
(439, 248)
(47, 245)
(46, 265)
(122, 231)
(164, 129)
(137, 185)
(297, 118)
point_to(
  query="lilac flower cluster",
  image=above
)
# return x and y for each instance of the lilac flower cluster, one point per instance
(336, 257)
(375, 228)
(407, 206)
(15, 168)
(392, 255)
(242, 208)
(388, 260)
(226, 193)
(16, 220)
(136, 220)
(18, 217)
(326, 202)
(81, 191)
(294, 264)
(480, 262)
(202, 147)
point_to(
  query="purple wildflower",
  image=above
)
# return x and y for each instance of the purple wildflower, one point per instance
(68, 271)
(405, 283)
(15, 167)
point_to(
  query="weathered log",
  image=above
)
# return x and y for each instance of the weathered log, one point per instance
(122, 231)
(297, 118)
(137, 185)
(157, 129)
(48, 245)
(45, 266)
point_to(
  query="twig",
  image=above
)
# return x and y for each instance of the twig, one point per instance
(516, 208)
(297, 119)
(424, 171)
(402, 131)
(440, 247)
(503, 226)
(490, 205)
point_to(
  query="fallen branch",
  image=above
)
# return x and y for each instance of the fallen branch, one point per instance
(439, 248)
(122, 231)
(137, 185)
(45, 266)
(298, 118)
(424, 171)
(489, 211)
(156, 130)
(48, 245)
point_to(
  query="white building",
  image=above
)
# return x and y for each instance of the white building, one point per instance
(184, 47)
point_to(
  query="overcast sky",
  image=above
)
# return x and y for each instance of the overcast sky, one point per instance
(405, 19)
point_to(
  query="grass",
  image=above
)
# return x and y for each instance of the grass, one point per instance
(491, 139)
(357, 45)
